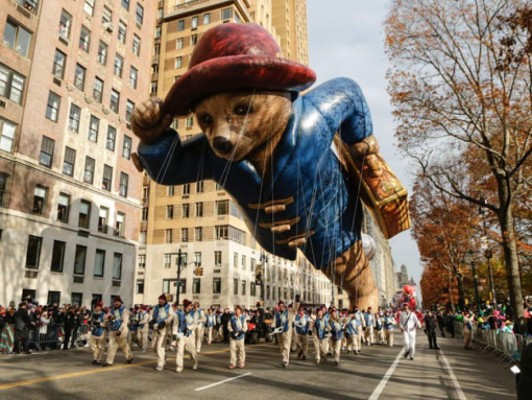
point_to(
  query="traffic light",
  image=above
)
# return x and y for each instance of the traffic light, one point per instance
(198, 271)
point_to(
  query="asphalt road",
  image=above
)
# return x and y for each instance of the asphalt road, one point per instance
(377, 373)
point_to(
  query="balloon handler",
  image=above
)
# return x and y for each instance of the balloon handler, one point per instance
(297, 165)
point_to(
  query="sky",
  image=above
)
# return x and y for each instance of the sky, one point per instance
(346, 39)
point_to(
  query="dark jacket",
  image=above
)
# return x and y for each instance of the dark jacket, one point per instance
(22, 319)
(430, 323)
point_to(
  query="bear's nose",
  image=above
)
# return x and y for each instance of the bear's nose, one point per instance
(222, 144)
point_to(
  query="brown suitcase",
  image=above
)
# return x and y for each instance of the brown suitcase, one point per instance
(384, 196)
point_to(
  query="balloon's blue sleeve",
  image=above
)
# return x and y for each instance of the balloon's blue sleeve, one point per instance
(342, 104)
(168, 161)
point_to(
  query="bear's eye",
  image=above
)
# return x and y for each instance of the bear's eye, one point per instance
(243, 109)
(205, 119)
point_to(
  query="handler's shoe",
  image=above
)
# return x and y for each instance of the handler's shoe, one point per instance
(231, 366)
(240, 366)
(411, 358)
(317, 361)
(179, 370)
(94, 362)
(285, 364)
(195, 365)
(303, 357)
(406, 354)
(129, 361)
(159, 368)
(105, 364)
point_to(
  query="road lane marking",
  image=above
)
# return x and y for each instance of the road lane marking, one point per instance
(447, 367)
(33, 381)
(382, 384)
(222, 382)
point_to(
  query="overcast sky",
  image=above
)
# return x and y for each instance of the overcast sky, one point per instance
(346, 38)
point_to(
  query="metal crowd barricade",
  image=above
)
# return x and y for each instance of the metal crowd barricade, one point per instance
(50, 338)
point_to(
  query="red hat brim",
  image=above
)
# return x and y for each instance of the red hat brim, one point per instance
(236, 72)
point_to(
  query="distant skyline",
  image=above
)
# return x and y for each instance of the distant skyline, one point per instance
(346, 38)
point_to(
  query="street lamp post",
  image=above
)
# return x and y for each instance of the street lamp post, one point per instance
(179, 264)
(469, 258)
(264, 261)
(487, 252)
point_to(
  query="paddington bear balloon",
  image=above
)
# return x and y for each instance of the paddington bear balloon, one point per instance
(297, 165)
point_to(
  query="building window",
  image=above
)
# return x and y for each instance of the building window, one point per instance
(120, 224)
(54, 297)
(222, 207)
(52, 107)
(58, 69)
(227, 13)
(119, 66)
(103, 219)
(69, 162)
(235, 260)
(253, 289)
(76, 298)
(33, 252)
(199, 209)
(117, 266)
(17, 38)
(144, 214)
(244, 288)
(139, 14)
(58, 256)
(196, 286)
(189, 122)
(79, 77)
(102, 53)
(11, 84)
(47, 152)
(124, 183)
(206, 19)
(84, 215)
(85, 39)
(126, 148)
(122, 32)
(7, 135)
(97, 90)
(140, 286)
(142, 261)
(181, 25)
(99, 263)
(184, 235)
(107, 15)
(186, 189)
(170, 190)
(217, 258)
(194, 23)
(197, 259)
(198, 234)
(130, 106)
(193, 40)
(185, 210)
(88, 7)
(88, 174)
(235, 286)
(179, 43)
(111, 138)
(167, 261)
(135, 46)
(79, 260)
(222, 232)
(133, 75)
(178, 62)
(217, 285)
(39, 199)
(115, 101)
(107, 177)
(244, 262)
(63, 207)
(170, 211)
(125, 4)
(64, 25)
(94, 127)
(74, 117)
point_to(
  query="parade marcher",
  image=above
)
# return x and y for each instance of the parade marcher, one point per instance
(320, 336)
(183, 333)
(379, 327)
(302, 325)
(97, 339)
(199, 323)
(408, 323)
(210, 320)
(144, 328)
(283, 326)
(117, 325)
(352, 333)
(369, 319)
(431, 324)
(161, 317)
(337, 331)
(237, 327)
(133, 327)
(389, 322)
(468, 328)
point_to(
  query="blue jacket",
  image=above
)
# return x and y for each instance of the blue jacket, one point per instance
(281, 320)
(97, 321)
(320, 328)
(238, 334)
(320, 203)
(352, 327)
(301, 324)
(161, 313)
(336, 330)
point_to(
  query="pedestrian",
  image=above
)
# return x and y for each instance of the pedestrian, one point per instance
(22, 326)
(450, 323)
(183, 334)
(144, 328)
(389, 322)
(199, 323)
(337, 329)
(69, 323)
(468, 329)
(320, 336)
(369, 319)
(283, 327)
(224, 320)
(431, 324)
(117, 323)
(98, 337)
(408, 323)
(7, 338)
(210, 319)
(441, 323)
(161, 317)
(238, 326)
(302, 325)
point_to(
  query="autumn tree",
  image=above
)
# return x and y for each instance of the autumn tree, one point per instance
(461, 89)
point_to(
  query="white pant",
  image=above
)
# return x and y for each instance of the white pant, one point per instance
(159, 337)
(410, 342)
(97, 344)
(198, 332)
(188, 344)
(209, 334)
(237, 352)
(116, 341)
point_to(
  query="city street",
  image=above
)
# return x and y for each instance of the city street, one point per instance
(378, 372)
